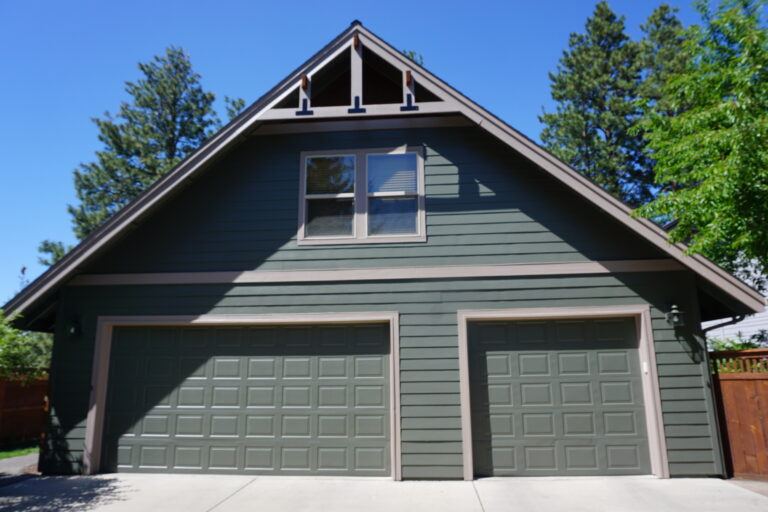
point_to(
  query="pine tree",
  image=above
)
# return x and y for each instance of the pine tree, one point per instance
(596, 89)
(663, 56)
(169, 115)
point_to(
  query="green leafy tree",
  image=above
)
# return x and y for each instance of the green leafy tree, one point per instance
(712, 141)
(169, 115)
(23, 355)
(596, 90)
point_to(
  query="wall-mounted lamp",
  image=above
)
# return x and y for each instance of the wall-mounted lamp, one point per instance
(73, 329)
(675, 316)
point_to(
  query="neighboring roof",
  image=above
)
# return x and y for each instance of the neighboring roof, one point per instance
(453, 101)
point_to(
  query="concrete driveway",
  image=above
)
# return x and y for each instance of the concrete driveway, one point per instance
(167, 493)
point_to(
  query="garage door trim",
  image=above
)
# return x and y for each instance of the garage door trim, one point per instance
(651, 394)
(103, 344)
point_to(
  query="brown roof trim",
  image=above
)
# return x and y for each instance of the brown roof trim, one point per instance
(237, 128)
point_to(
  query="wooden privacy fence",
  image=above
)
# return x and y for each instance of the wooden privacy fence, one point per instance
(22, 410)
(741, 389)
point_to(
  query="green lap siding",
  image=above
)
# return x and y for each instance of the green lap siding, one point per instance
(430, 411)
(484, 205)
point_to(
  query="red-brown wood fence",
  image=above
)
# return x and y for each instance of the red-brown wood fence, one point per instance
(741, 389)
(23, 410)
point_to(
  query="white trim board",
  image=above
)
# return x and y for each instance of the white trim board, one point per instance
(455, 102)
(381, 273)
(103, 345)
(657, 444)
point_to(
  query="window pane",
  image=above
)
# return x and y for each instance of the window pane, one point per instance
(329, 217)
(392, 216)
(392, 173)
(330, 174)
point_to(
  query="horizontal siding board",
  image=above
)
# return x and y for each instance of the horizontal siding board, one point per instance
(430, 411)
(690, 443)
(427, 459)
(451, 363)
(431, 447)
(685, 418)
(432, 472)
(686, 430)
(682, 469)
(684, 406)
(433, 388)
(672, 394)
(430, 435)
(428, 376)
(438, 423)
(429, 399)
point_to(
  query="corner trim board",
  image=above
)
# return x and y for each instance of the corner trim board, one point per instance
(380, 273)
(103, 345)
(657, 444)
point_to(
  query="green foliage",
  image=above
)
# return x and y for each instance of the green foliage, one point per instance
(415, 57)
(662, 53)
(596, 89)
(233, 106)
(23, 355)
(740, 342)
(54, 251)
(169, 115)
(711, 142)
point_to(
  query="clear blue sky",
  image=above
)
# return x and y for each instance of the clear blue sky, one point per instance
(62, 63)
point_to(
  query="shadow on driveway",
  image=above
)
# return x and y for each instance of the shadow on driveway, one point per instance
(64, 494)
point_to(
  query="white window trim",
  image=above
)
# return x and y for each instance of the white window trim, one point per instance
(360, 219)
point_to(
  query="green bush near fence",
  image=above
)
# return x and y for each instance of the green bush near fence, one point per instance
(23, 355)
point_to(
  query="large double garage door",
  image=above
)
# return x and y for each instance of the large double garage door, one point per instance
(261, 400)
(557, 398)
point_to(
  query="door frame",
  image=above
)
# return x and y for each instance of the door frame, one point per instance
(657, 444)
(103, 344)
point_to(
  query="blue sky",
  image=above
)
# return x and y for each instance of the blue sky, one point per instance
(65, 62)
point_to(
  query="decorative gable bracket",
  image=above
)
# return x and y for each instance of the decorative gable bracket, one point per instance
(358, 80)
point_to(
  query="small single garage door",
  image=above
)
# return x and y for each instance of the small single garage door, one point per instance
(262, 400)
(557, 398)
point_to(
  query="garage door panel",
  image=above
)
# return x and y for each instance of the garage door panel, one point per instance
(557, 398)
(276, 400)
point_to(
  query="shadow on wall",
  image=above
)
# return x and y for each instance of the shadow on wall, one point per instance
(61, 494)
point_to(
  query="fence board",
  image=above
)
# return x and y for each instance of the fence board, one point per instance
(741, 388)
(22, 410)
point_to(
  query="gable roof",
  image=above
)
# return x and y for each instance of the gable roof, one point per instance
(451, 101)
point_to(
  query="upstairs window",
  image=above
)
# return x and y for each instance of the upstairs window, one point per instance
(365, 196)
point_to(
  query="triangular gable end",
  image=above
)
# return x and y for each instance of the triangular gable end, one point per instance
(370, 65)
(358, 80)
